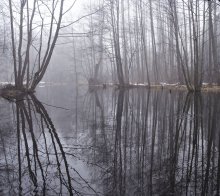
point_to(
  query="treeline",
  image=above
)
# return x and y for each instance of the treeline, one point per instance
(120, 41)
(150, 41)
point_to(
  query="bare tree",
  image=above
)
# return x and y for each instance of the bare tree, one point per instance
(115, 17)
(28, 72)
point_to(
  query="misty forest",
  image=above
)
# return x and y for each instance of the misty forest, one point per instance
(110, 97)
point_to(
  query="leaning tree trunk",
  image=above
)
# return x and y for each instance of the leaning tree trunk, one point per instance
(21, 53)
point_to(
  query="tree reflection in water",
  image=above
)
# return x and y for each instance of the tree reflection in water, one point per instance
(158, 143)
(40, 165)
(133, 142)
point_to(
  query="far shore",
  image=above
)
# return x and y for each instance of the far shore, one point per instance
(205, 87)
(9, 91)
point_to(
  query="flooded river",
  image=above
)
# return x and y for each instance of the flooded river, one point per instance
(77, 141)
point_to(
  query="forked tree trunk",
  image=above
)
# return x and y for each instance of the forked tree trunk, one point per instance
(22, 62)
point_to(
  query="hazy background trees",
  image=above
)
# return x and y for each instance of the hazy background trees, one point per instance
(134, 41)
(4, 45)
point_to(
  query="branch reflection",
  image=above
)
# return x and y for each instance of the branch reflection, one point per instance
(41, 166)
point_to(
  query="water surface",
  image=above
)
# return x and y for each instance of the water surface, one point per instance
(76, 141)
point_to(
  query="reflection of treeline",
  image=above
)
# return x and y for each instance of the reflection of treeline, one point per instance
(160, 143)
(42, 166)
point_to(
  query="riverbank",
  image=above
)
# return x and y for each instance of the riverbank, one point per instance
(9, 91)
(205, 87)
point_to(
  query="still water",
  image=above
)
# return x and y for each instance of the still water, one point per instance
(78, 141)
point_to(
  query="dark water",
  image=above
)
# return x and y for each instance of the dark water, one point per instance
(71, 141)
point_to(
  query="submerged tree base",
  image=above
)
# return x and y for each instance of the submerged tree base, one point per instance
(205, 87)
(12, 92)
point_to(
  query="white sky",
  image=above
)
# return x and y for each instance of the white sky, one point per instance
(79, 7)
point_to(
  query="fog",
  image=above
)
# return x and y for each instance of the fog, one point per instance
(109, 97)
(125, 42)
